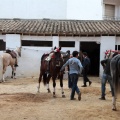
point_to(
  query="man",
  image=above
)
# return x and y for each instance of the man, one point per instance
(106, 77)
(86, 65)
(75, 67)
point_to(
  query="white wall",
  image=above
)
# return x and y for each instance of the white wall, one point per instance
(107, 43)
(84, 9)
(33, 9)
(117, 11)
(12, 41)
(29, 63)
(54, 9)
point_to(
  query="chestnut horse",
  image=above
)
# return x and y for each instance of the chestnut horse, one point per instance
(115, 74)
(9, 60)
(55, 65)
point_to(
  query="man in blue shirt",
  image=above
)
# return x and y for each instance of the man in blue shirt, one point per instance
(75, 68)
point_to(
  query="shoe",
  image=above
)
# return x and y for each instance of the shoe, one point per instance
(102, 98)
(84, 86)
(79, 96)
(90, 83)
(73, 99)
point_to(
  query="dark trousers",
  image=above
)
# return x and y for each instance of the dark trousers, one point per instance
(85, 78)
(69, 82)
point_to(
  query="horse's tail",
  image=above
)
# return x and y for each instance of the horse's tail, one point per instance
(44, 78)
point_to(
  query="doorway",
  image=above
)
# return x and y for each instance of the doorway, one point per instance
(93, 51)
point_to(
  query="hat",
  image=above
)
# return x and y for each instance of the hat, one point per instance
(84, 53)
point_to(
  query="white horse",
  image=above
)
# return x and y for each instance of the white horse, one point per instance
(10, 59)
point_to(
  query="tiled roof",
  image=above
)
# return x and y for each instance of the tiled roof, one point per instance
(59, 27)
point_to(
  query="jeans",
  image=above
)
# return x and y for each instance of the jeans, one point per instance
(106, 77)
(69, 82)
(74, 80)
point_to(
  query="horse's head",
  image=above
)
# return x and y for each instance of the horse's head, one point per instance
(18, 50)
(57, 56)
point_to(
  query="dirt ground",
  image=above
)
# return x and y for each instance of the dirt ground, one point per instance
(19, 100)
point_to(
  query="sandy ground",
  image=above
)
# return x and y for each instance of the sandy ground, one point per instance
(19, 100)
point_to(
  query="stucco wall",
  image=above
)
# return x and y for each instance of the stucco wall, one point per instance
(84, 9)
(107, 43)
(29, 63)
(33, 9)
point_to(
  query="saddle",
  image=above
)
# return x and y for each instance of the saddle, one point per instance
(12, 53)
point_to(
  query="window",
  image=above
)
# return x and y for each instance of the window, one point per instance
(37, 43)
(109, 12)
(117, 47)
(2, 45)
(67, 43)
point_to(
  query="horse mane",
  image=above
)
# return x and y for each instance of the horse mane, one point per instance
(8, 51)
(44, 55)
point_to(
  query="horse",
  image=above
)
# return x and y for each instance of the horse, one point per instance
(115, 74)
(55, 65)
(9, 58)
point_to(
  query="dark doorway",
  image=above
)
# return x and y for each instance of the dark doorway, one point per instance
(93, 51)
(2, 45)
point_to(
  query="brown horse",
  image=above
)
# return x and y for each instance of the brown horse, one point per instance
(55, 65)
(9, 59)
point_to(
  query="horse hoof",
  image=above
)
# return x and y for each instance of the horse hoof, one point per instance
(114, 109)
(54, 96)
(63, 96)
(49, 91)
(38, 91)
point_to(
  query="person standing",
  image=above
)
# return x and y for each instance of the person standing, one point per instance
(69, 81)
(75, 68)
(106, 77)
(86, 66)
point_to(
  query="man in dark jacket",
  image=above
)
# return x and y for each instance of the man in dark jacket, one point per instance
(106, 77)
(86, 65)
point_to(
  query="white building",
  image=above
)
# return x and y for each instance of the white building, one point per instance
(60, 9)
(33, 9)
(38, 36)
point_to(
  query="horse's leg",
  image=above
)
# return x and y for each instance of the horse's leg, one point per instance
(3, 78)
(61, 85)
(14, 75)
(54, 85)
(48, 79)
(40, 77)
(114, 103)
(13, 72)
